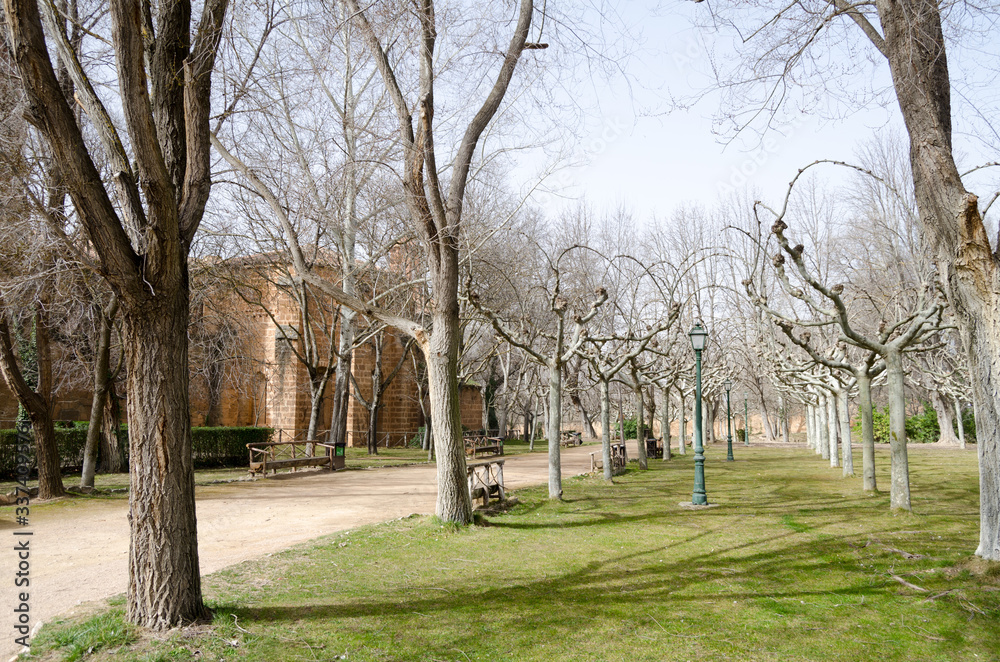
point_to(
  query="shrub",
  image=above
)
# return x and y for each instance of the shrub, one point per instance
(211, 447)
(923, 428)
(880, 425)
(417, 441)
(631, 428)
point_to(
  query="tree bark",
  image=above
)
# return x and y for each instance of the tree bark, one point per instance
(606, 428)
(36, 402)
(946, 419)
(867, 433)
(681, 450)
(845, 432)
(102, 384)
(554, 419)
(899, 485)
(640, 428)
(951, 222)
(665, 424)
(961, 423)
(163, 539)
(824, 428)
(109, 453)
(831, 421)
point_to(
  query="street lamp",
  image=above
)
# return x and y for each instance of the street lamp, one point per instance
(699, 338)
(729, 428)
(746, 422)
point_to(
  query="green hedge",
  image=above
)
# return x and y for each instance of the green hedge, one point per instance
(211, 447)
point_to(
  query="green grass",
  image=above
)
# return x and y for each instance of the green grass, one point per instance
(795, 564)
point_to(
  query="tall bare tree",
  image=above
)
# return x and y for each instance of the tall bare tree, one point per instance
(141, 225)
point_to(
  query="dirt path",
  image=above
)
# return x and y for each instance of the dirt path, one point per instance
(79, 548)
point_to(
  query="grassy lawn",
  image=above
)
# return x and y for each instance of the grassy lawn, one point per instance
(794, 564)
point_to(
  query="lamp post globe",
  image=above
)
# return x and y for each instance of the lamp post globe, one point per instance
(729, 420)
(699, 339)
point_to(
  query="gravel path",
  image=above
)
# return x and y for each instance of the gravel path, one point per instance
(79, 548)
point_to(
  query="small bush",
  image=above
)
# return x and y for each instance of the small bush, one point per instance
(923, 428)
(631, 428)
(417, 441)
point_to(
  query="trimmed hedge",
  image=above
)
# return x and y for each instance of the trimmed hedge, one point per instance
(211, 447)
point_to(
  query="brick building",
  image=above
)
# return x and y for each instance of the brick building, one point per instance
(256, 378)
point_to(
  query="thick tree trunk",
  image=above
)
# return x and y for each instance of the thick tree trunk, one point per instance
(845, 432)
(453, 501)
(951, 222)
(867, 433)
(946, 419)
(554, 420)
(164, 537)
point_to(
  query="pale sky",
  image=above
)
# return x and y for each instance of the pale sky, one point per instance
(655, 163)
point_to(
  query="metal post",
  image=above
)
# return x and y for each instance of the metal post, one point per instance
(698, 498)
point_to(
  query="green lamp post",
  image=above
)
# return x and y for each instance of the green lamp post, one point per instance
(699, 338)
(729, 423)
(746, 422)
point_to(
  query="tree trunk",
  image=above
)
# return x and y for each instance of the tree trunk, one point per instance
(783, 413)
(681, 450)
(554, 419)
(342, 382)
(899, 485)
(102, 384)
(845, 432)
(453, 501)
(867, 433)
(37, 404)
(527, 425)
(824, 428)
(640, 429)
(765, 421)
(831, 421)
(961, 423)
(665, 424)
(951, 222)
(164, 538)
(109, 452)
(606, 428)
(946, 419)
(807, 413)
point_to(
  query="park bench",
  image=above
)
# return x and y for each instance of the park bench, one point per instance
(486, 480)
(654, 447)
(480, 444)
(274, 455)
(570, 438)
(619, 458)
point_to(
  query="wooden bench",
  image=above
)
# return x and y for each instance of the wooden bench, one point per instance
(486, 480)
(480, 444)
(619, 458)
(568, 439)
(274, 455)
